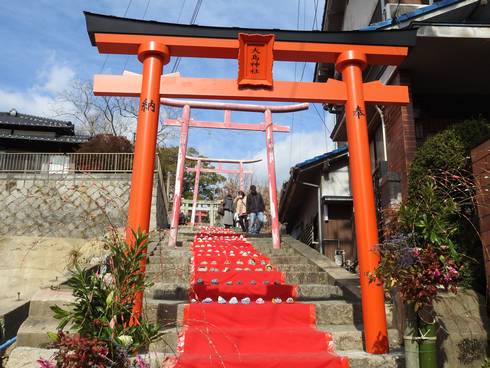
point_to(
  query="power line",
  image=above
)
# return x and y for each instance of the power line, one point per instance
(107, 56)
(146, 8)
(144, 15)
(316, 3)
(180, 11)
(195, 13)
(295, 79)
(325, 125)
(315, 14)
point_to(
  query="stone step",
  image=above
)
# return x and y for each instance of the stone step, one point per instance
(269, 250)
(347, 338)
(34, 332)
(361, 359)
(265, 242)
(288, 260)
(27, 357)
(311, 292)
(350, 337)
(297, 267)
(168, 291)
(165, 313)
(168, 277)
(328, 312)
(41, 301)
(170, 260)
(167, 342)
(178, 291)
(309, 278)
(166, 252)
(178, 269)
(339, 312)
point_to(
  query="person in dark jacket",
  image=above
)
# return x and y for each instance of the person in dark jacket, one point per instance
(229, 211)
(255, 210)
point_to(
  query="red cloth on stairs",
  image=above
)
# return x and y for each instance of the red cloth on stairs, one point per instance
(247, 335)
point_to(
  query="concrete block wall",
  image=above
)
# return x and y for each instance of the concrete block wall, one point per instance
(77, 205)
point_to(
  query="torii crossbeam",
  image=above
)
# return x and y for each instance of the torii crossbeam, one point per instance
(198, 169)
(350, 52)
(266, 126)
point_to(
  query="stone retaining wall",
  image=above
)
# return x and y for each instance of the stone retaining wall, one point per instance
(77, 205)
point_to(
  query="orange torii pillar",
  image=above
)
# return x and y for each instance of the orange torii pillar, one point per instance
(266, 126)
(198, 170)
(350, 52)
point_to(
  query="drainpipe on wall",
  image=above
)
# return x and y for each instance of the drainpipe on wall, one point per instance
(383, 130)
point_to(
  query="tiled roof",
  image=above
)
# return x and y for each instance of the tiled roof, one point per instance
(337, 152)
(99, 23)
(411, 15)
(60, 139)
(34, 121)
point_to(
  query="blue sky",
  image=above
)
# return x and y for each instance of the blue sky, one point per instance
(46, 47)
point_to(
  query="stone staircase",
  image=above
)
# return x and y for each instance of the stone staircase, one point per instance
(338, 308)
(336, 312)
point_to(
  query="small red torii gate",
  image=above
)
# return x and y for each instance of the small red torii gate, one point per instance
(266, 126)
(198, 170)
(350, 52)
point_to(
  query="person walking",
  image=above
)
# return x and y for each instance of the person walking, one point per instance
(241, 210)
(255, 209)
(228, 211)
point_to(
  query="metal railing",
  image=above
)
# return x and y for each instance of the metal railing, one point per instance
(66, 163)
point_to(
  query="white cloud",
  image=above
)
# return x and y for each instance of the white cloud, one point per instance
(40, 97)
(27, 102)
(58, 79)
(305, 145)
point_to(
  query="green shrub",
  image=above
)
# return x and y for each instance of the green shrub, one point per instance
(444, 159)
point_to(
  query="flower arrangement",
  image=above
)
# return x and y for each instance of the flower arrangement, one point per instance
(418, 273)
(419, 257)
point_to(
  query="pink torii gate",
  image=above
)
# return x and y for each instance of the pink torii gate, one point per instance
(198, 170)
(266, 126)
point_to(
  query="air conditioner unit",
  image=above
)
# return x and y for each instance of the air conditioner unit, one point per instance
(392, 10)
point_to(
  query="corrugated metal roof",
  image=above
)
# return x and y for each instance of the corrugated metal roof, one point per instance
(336, 152)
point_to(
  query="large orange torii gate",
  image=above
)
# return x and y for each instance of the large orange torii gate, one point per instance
(256, 49)
(198, 169)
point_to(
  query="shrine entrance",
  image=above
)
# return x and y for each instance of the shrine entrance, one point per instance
(198, 169)
(266, 126)
(256, 50)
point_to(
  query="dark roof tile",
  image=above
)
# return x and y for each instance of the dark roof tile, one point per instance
(60, 139)
(31, 120)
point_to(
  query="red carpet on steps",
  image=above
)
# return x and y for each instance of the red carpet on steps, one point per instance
(268, 335)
